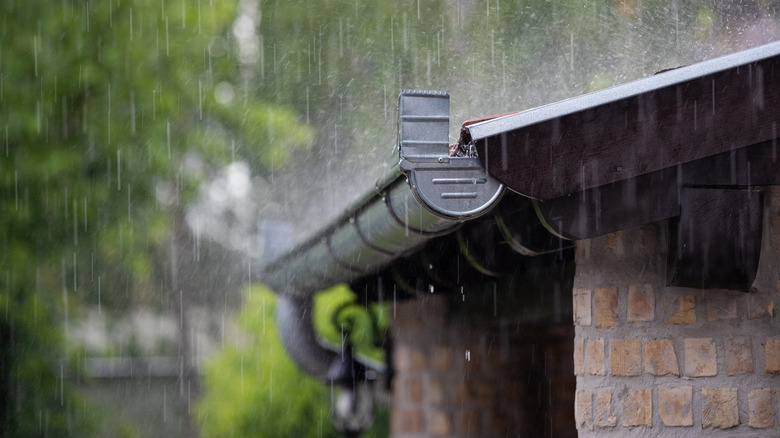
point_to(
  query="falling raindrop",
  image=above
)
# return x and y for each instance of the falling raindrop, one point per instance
(118, 170)
(35, 54)
(132, 113)
(75, 225)
(167, 41)
(109, 113)
(62, 384)
(168, 137)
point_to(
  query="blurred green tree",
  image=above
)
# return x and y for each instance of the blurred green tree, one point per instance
(111, 113)
(254, 390)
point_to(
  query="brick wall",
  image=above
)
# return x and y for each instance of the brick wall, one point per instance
(654, 360)
(479, 380)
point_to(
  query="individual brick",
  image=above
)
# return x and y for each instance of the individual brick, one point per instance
(461, 393)
(683, 309)
(720, 306)
(579, 356)
(777, 394)
(760, 303)
(760, 408)
(700, 357)
(641, 303)
(409, 359)
(441, 358)
(605, 302)
(408, 421)
(435, 393)
(583, 409)
(614, 243)
(582, 308)
(440, 424)
(660, 358)
(638, 408)
(675, 406)
(604, 417)
(483, 393)
(582, 250)
(414, 390)
(739, 355)
(625, 357)
(772, 354)
(594, 352)
(719, 408)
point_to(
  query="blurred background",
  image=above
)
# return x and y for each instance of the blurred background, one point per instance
(154, 153)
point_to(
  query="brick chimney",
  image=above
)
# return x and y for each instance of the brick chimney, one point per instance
(655, 360)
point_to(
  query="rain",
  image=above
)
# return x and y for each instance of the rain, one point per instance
(157, 156)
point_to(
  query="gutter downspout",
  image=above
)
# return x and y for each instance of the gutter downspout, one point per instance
(296, 330)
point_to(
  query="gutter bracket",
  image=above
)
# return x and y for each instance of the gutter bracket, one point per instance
(457, 188)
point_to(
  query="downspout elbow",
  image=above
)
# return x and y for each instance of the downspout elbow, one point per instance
(294, 318)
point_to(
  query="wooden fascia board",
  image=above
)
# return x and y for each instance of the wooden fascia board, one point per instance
(655, 123)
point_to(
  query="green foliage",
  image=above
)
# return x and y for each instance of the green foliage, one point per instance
(254, 390)
(103, 108)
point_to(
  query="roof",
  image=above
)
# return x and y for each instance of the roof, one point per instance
(676, 116)
(579, 168)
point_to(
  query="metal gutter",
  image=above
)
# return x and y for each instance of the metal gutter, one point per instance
(426, 195)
